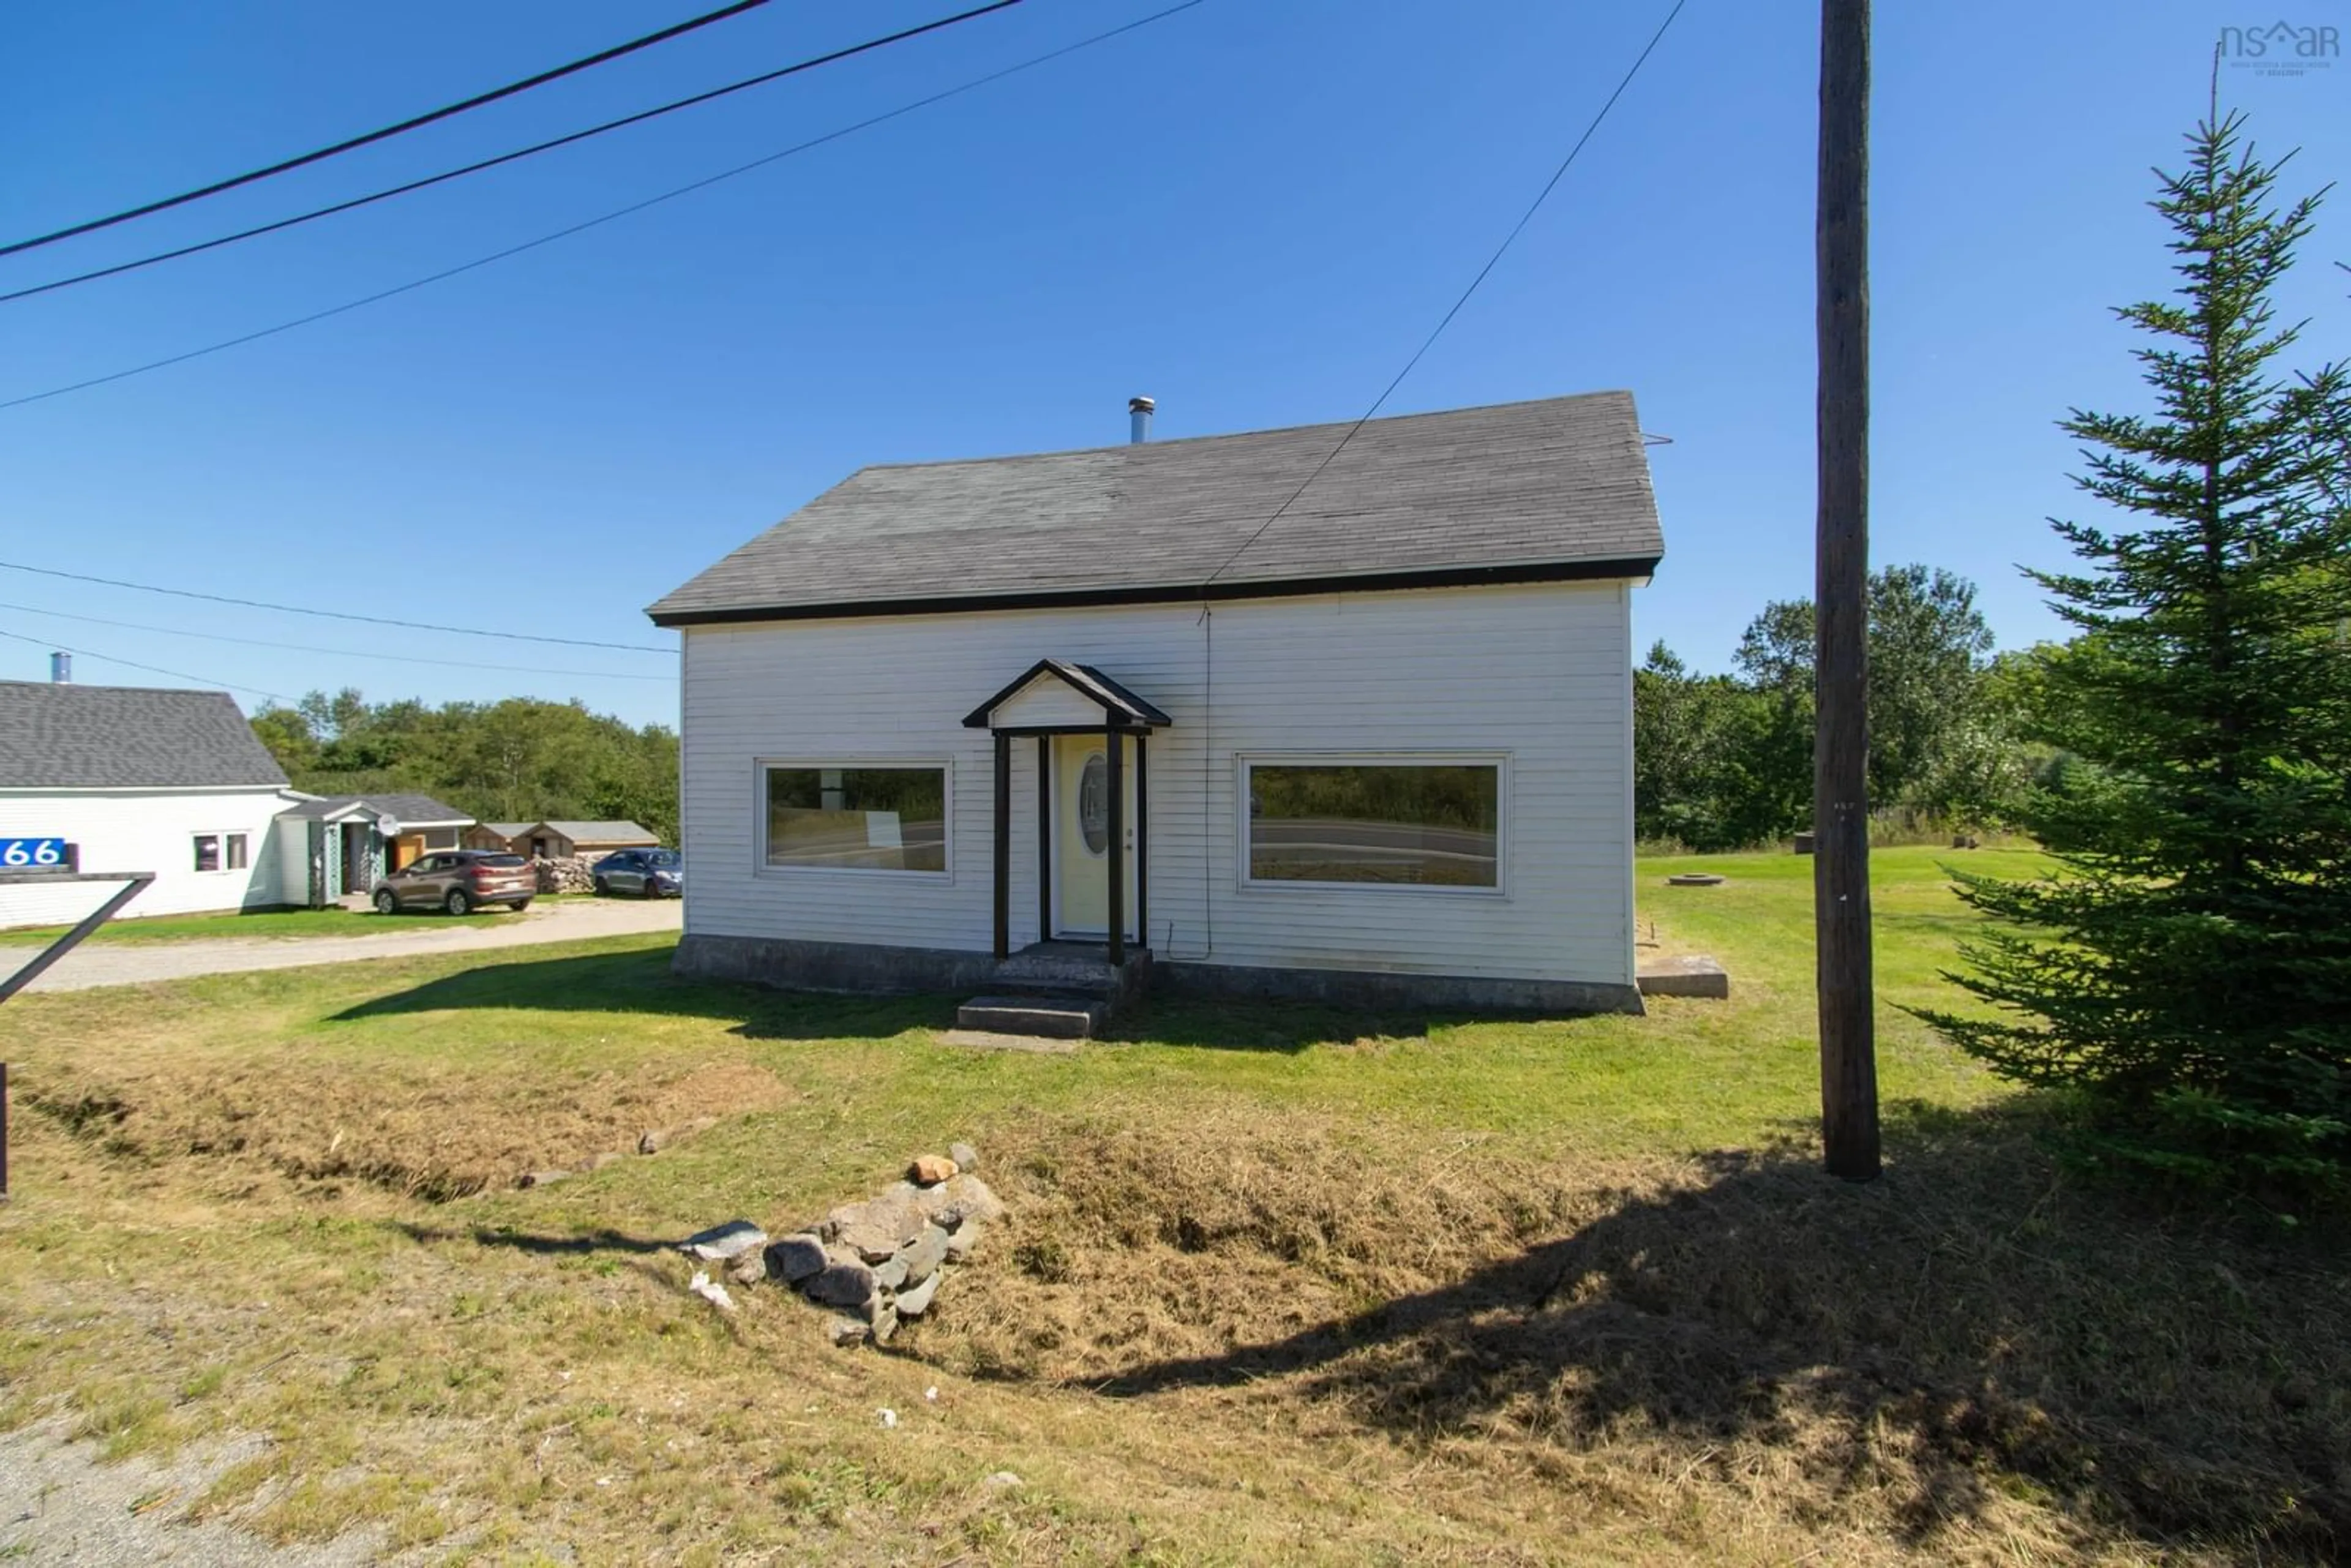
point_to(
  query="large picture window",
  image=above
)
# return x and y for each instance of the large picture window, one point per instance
(858, 818)
(1392, 824)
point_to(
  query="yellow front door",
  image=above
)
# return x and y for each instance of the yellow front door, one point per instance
(1081, 846)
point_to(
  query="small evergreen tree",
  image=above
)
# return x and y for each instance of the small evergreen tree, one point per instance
(2188, 968)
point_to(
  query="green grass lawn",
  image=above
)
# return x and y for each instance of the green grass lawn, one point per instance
(260, 923)
(1278, 1283)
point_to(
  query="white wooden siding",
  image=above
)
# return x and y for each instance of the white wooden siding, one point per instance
(1539, 674)
(144, 829)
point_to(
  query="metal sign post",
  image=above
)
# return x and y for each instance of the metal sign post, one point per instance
(45, 862)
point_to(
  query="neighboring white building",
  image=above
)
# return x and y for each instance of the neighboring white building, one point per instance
(1352, 728)
(141, 780)
(175, 783)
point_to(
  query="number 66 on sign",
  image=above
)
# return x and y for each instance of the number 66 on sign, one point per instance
(33, 854)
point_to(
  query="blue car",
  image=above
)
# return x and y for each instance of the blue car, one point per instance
(648, 874)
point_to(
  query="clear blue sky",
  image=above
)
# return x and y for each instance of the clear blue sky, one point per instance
(1252, 211)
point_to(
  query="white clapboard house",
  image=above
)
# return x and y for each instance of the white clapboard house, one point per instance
(174, 782)
(1156, 707)
(139, 779)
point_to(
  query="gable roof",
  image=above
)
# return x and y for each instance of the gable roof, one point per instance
(62, 736)
(1119, 705)
(505, 830)
(408, 810)
(1542, 491)
(605, 832)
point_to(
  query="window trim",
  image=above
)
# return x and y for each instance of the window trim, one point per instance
(763, 867)
(1500, 761)
(221, 837)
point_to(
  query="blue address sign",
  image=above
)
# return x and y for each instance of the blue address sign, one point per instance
(31, 855)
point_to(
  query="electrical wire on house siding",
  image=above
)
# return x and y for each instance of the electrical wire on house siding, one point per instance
(1463, 299)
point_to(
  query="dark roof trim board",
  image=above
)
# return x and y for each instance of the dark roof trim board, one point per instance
(1119, 705)
(1617, 570)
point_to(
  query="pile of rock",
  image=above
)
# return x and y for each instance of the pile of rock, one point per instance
(565, 873)
(876, 1263)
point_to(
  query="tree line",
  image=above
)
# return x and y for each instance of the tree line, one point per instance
(1725, 761)
(520, 759)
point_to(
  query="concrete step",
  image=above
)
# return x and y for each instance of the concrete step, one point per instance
(1690, 975)
(1049, 1017)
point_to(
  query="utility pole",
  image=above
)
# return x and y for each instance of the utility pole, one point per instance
(1840, 631)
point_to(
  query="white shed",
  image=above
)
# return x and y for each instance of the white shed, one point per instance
(1229, 715)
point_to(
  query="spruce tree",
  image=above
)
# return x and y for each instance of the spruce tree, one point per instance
(2188, 966)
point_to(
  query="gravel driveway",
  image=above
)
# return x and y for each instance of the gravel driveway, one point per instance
(392, 936)
(60, 1505)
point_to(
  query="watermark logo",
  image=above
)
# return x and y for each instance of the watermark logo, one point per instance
(2282, 48)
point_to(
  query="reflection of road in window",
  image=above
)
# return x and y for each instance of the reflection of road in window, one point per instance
(1429, 825)
(858, 818)
(1093, 803)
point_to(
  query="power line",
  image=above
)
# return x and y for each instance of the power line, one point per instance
(1430, 342)
(542, 80)
(134, 665)
(337, 653)
(581, 228)
(332, 614)
(521, 152)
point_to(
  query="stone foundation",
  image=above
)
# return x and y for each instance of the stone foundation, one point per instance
(831, 966)
(1388, 991)
(849, 967)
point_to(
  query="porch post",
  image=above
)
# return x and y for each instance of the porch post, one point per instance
(1044, 838)
(1117, 912)
(1141, 842)
(1003, 846)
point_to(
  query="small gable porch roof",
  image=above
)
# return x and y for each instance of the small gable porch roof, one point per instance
(1120, 708)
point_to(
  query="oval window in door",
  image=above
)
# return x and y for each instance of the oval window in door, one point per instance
(1093, 803)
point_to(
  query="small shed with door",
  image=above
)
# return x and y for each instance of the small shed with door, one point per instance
(562, 840)
(589, 841)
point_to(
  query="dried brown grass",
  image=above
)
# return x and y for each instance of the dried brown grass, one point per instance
(1971, 1358)
(429, 1130)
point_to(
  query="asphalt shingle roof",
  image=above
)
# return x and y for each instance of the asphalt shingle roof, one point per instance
(1559, 487)
(60, 736)
(605, 832)
(409, 811)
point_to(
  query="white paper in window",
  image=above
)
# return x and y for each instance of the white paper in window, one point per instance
(882, 832)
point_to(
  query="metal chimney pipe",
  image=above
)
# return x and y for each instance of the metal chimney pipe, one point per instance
(1138, 414)
(61, 669)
